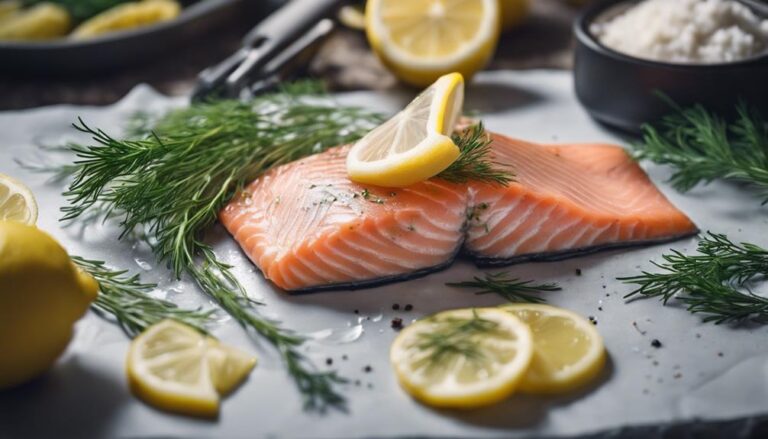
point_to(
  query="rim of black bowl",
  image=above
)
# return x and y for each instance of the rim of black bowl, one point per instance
(191, 12)
(596, 9)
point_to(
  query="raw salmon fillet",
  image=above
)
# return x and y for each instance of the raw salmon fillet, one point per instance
(308, 227)
(567, 201)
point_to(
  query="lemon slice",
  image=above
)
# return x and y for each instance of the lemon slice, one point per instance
(415, 144)
(16, 201)
(568, 351)
(175, 368)
(419, 40)
(462, 358)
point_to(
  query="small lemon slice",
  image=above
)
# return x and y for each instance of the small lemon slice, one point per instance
(16, 201)
(568, 351)
(463, 358)
(175, 368)
(415, 144)
(128, 16)
(419, 40)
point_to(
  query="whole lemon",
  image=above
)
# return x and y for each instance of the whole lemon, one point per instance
(513, 12)
(42, 294)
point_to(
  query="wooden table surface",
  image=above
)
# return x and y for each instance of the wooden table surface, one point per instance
(344, 62)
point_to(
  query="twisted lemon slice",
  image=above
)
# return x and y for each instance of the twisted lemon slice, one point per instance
(415, 144)
(175, 368)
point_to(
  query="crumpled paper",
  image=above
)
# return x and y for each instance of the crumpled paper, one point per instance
(701, 371)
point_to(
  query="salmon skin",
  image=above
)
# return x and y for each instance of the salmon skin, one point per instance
(308, 227)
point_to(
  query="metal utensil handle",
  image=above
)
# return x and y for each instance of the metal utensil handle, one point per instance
(275, 34)
(287, 24)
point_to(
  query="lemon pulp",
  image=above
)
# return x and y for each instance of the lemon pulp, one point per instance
(175, 368)
(420, 40)
(16, 201)
(487, 372)
(568, 351)
(415, 144)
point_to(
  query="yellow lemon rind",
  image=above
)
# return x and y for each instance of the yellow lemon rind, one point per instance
(429, 158)
(420, 70)
(502, 390)
(577, 377)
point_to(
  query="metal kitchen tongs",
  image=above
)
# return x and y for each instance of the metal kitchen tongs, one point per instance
(270, 50)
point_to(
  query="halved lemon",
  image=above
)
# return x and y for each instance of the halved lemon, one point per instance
(463, 358)
(568, 351)
(419, 40)
(415, 144)
(173, 367)
(16, 201)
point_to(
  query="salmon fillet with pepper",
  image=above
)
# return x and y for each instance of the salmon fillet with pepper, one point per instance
(308, 227)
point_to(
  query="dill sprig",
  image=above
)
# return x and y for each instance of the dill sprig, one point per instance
(703, 147)
(170, 184)
(127, 300)
(512, 289)
(715, 282)
(474, 162)
(452, 337)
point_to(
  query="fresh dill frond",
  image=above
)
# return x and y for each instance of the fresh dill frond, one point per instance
(127, 300)
(453, 337)
(703, 147)
(714, 282)
(474, 162)
(170, 185)
(512, 289)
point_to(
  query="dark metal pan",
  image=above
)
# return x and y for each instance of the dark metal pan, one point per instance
(121, 49)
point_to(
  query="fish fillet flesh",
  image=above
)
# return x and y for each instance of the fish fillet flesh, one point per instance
(566, 201)
(308, 227)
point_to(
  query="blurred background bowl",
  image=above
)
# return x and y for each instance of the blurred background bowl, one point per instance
(621, 91)
(114, 51)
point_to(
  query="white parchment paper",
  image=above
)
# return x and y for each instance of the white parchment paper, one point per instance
(701, 370)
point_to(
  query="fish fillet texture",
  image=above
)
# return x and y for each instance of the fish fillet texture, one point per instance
(308, 227)
(567, 200)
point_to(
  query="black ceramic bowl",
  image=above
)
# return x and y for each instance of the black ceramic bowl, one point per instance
(621, 91)
(112, 51)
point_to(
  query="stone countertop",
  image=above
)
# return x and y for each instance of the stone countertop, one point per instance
(344, 62)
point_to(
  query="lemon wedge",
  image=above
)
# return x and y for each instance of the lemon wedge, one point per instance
(43, 21)
(463, 358)
(568, 351)
(16, 201)
(419, 40)
(175, 368)
(415, 144)
(128, 16)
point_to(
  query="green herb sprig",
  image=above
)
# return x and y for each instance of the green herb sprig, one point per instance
(510, 288)
(703, 147)
(170, 185)
(127, 299)
(714, 282)
(452, 337)
(474, 162)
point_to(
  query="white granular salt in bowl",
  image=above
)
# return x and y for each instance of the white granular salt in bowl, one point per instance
(685, 31)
